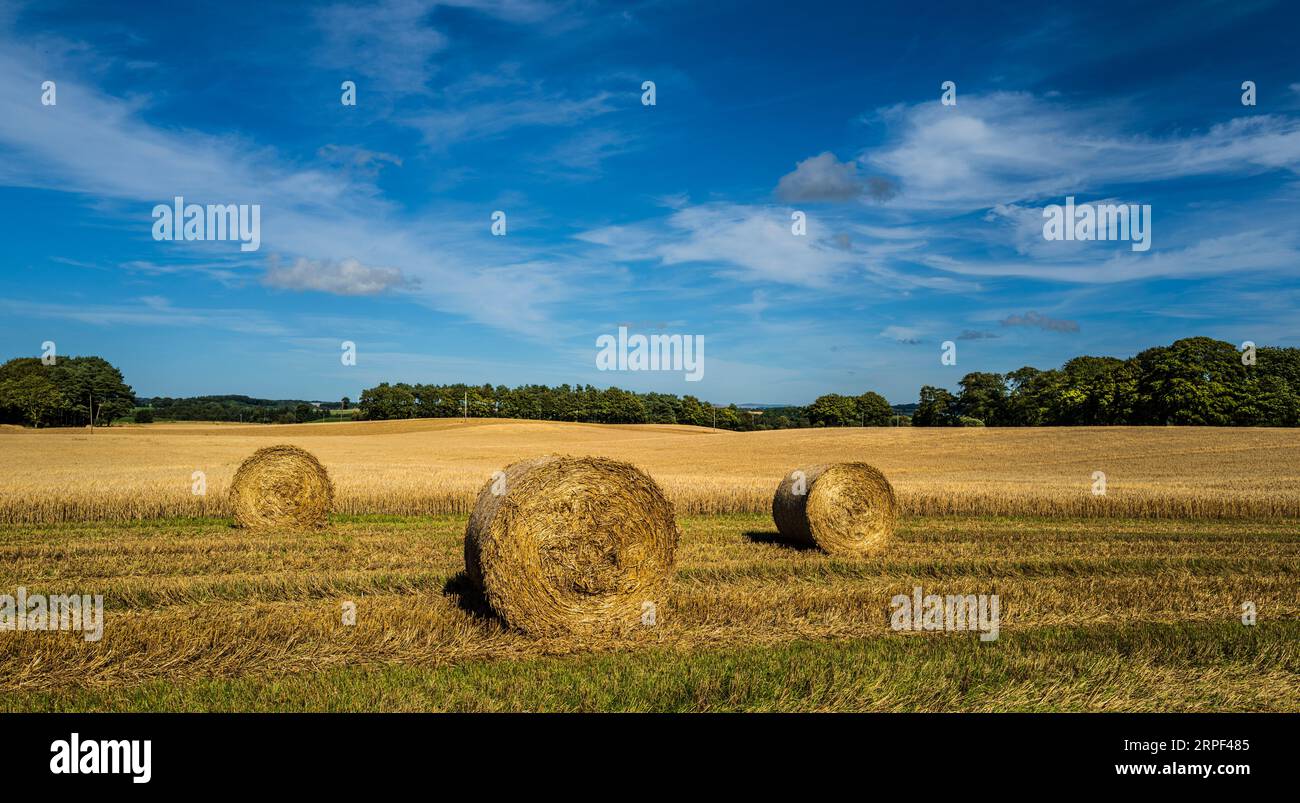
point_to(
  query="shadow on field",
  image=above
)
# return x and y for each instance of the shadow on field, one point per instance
(775, 538)
(469, 597)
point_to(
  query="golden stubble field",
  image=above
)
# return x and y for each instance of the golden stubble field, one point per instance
(1096, 615)
(1127, 602)
(436, 466)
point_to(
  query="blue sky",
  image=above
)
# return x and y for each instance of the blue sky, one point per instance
(924, 221)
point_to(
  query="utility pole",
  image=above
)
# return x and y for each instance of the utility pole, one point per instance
(92, 412)
(465, 407)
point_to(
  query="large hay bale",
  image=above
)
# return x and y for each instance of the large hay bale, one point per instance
(281, 487)
(844, 508)
(571, 545)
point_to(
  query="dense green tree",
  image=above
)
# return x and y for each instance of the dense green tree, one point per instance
(983, 396)
(387, 401)
(1031, 397)
(936, 408)
(1267, 401)
(873, 410)
(833, 410)
(1192, 381)
(62, 393)
(693, 412)
(1094, 391)
(32, 395)
(731, 417)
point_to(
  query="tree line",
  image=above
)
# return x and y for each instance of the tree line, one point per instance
(1196, 381)
(233, 408)
(589, 404)
(583, 403)
(73, 391)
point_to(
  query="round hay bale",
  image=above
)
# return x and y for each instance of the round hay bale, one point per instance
(571, 545)
(281, 487)
(843, 508)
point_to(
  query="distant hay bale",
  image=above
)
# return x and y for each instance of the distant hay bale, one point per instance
(571, 545)
(844, 508)
(281, 487)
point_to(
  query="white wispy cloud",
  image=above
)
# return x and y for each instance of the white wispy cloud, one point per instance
(907, 335)
(486, 119)
(98, 146)
(750, 242)
(1229, 254)
(393, 42)
(1010, 147)
(344, 277)
(152, 311)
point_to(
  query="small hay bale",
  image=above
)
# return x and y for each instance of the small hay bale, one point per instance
(281, 487)
(571, 545)
(844, 508)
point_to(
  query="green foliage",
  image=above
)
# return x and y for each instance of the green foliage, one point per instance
(983, 397)
(1194, 381)
(936, 408)
(62, 394)
(834, 410)
(236, 408)
(585, 403)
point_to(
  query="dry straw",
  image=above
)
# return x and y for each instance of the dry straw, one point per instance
(571, 545)
(844, 508)
(281, 487)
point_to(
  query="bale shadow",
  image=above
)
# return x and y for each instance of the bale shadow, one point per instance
(775, 538)
(469, 597)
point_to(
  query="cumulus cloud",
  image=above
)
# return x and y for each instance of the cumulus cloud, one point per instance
(820, 178)
(825, 178)
(1041, 321)
(346, 277)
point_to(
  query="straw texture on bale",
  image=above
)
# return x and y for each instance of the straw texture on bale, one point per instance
(281, 487)
(845, 508)
(571, 545)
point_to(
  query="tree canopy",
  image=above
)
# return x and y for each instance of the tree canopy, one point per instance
(61, 394)
(1194, 381)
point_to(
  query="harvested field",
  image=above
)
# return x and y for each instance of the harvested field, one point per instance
(436, 466)
(1096, 615)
